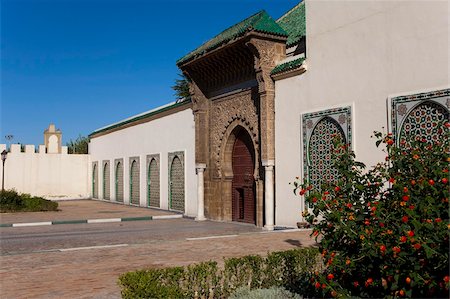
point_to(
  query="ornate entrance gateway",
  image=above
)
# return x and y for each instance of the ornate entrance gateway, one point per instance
(243, 185)
(233, 95)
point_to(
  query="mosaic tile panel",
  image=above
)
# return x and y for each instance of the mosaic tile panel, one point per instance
(106, 177)
(134, 181)
(176, 181)
(418, 116)
(319, 130)
(119, 179)
(95, 179)
(153, 181)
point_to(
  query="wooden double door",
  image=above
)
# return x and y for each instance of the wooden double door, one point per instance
(243, 186)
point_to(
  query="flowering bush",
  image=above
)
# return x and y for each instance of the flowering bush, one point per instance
(384, 231)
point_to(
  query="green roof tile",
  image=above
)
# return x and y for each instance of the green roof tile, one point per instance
(294, 23)
(260, 22)
(287, 66)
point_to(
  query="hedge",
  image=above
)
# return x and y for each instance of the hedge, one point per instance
(289, 269)
(11, 201)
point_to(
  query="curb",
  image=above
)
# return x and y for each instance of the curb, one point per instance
(89, 221)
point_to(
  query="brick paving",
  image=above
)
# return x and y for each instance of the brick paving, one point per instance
(93, 273)
(82, 209)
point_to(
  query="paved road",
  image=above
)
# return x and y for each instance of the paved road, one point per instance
(85, 260)
(20, 240)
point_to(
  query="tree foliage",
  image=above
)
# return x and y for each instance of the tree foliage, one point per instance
(181, 88)
(384, 232)
(78, 146)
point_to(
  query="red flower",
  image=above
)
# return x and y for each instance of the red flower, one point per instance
(405, 189)
(411, 233)
(444, 181)
(411, 207)
(369, 281)
(326, 192)
(314, 199)
(431, 182)
(401, 293)
(302, 192)
(383, 248)
(356, 284)
(392, 180)
(413, 182)
(381, 224)
(405, 219)
(405, 198)
(417, 246)
(349, 205)
(367, 222)
(324, 286)
(390, 142)
(396, 249)
(337, 189)
(318, 285)
(408, 280)
(437, 220)
(330, 276)
(446, 279)
(403, 239)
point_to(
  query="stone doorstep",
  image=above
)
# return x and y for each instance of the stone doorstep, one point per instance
(90, 221)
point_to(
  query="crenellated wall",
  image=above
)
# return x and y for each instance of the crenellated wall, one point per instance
(53, 176)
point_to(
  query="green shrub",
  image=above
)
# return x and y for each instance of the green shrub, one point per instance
(206, 280)
(11, 201)
(271, 293)
(384, 232)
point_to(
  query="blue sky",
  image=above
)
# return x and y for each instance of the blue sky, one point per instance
(83, 64)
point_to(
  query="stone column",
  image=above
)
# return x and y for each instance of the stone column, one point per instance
(269, 194)
(200, 191)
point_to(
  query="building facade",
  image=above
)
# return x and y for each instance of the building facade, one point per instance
(266, 97)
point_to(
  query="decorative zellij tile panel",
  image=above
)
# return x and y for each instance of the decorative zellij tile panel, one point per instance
(319, 131)
(95, 179)
(118, 179)
(153, 181)
(134, 181)
(106, 177)
(176, 181)
(420, 116)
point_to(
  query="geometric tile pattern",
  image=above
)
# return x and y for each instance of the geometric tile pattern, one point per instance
(319, 131)
(176, 181)
(95, 180)
(153, 181)
(118, 173)
(134, 181)
(106, 176)
(418, 116)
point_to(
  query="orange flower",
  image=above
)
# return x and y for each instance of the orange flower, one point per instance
(415, 157)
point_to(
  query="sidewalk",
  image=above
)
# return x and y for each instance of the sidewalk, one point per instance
(80, 211)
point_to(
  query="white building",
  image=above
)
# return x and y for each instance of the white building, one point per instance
(266, 96)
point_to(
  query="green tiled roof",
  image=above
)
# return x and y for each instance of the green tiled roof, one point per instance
(294, 23)
(287, 66)
(140, 117)
(260, 22)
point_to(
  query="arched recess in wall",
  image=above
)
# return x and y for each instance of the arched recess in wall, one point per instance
(119, 181)
(106, 184)
(94, 180)
(176, 182)
(52, 144)
(153, 183)
(424, 122)
(320, 150)
(134, 181)
(240, 151)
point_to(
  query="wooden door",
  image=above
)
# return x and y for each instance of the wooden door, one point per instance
(243, 186)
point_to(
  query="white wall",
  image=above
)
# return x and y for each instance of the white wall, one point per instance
(358, 54)
(172, 133)
(53, 176)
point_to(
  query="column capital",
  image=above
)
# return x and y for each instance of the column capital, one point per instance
(266, 163)
(200, 165)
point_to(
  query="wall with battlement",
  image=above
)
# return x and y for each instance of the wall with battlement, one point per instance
(53, 176)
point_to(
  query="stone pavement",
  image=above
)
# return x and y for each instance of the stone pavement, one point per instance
(82, 209)
(93, 273)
